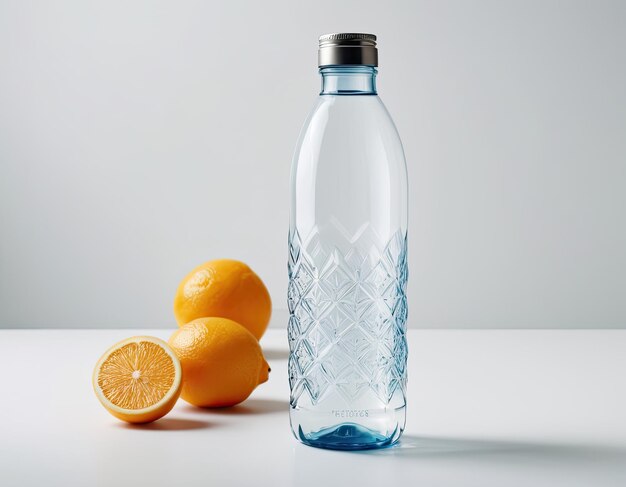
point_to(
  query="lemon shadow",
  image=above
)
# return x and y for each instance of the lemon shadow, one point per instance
(168, 424)
(248, 407)
(275, 354)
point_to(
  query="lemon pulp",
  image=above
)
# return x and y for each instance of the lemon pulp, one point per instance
(136, 375)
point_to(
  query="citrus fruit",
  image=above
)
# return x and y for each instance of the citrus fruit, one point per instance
(222, 362)
(138, 379)
(225, 288)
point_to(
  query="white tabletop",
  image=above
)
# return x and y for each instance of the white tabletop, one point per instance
(485, 408)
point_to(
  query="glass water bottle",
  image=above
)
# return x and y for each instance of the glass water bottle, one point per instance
(348, 259)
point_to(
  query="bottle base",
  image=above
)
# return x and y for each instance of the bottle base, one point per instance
(348, 436)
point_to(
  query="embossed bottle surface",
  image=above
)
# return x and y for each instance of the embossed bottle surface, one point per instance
(348, 260)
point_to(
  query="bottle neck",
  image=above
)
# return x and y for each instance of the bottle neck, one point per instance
(348, 80)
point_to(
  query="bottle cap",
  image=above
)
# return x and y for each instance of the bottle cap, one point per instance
(347, 48)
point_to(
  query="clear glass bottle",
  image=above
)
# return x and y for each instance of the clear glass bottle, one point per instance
(348, 260)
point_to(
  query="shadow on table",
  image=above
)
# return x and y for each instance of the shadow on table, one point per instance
(434, 447)
(250, 406)
(168, 424)
(428, 461)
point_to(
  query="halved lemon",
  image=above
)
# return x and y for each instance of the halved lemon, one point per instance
(138, 380)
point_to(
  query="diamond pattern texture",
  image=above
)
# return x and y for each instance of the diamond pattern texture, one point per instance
(348, 312)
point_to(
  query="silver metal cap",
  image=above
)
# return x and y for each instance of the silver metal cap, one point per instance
(347, 48)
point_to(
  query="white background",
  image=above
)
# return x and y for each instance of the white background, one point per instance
(139, 139)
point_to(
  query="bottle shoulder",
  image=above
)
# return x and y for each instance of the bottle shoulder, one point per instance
(361, 111)
(354, 125)
(349, 167)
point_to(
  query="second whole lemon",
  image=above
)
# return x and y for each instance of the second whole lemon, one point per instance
(226, 288)
(222, 362)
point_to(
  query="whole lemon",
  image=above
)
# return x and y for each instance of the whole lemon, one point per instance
(222, 362)
(225, 288)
